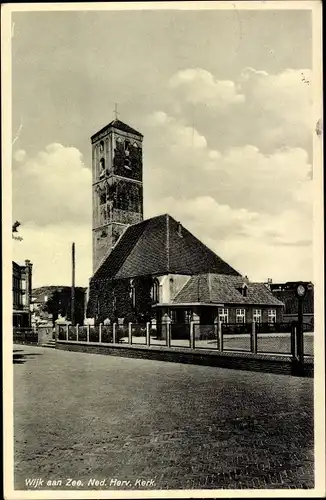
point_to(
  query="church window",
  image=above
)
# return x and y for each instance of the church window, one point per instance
(155, 291)
(102, 167)
(127, 147)
(132, 294)
(101, 146)
(114, 302)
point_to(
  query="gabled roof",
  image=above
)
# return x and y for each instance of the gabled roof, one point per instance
(160, 245)
(118, 125)
(221, 288)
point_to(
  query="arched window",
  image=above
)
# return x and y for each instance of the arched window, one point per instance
(155, 291)
(101, 146)
(102, 167)
(127, 147)
(132, 294)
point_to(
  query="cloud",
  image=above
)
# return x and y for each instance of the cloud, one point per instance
(53, 187)
(49, 249)
(20, 155)
(240, 202)
(199, 86)
(52, 200)
(242, 177)
(284, 98)
(272, 110)
(258, 245)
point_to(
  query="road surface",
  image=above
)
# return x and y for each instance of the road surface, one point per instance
(153, 424)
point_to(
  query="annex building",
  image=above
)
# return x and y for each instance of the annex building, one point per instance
(146, 270)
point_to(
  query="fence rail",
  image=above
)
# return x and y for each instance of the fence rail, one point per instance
(264, 338)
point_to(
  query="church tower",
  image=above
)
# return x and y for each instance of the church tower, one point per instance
(117, 185)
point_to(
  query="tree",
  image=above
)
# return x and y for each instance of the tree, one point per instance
(59, 303)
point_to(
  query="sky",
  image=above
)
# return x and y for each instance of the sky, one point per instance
(224, 100)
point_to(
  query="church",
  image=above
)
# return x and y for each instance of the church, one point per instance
(147, 270)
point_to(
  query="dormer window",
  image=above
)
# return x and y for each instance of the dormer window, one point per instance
(244, 290)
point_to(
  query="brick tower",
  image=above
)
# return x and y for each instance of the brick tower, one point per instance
(117, 185)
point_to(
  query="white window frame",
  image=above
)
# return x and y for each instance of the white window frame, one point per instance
(223, 315)
(271, 316)
(257, 315)
(240, 314)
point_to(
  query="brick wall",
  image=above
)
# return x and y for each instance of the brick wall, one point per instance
(243, 361)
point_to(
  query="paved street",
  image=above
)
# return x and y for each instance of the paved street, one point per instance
(86, 416)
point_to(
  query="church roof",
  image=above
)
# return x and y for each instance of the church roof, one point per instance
(118, 125)
(225, 289)
(157, 246)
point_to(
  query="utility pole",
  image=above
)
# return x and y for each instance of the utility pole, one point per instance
(73, 286)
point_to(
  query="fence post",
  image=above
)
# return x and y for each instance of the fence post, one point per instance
(220, 335)
(100, 333)
(88, 328)
(67, 333)
(77, 332)
(253, 338)
(114, 339)
(148, 338)
(192, 335)
(168, 334)
(129, 333)
(295, 350)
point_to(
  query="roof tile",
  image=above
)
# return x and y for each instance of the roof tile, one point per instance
(221, 288)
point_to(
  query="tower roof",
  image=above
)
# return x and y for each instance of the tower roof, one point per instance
(119, 125)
